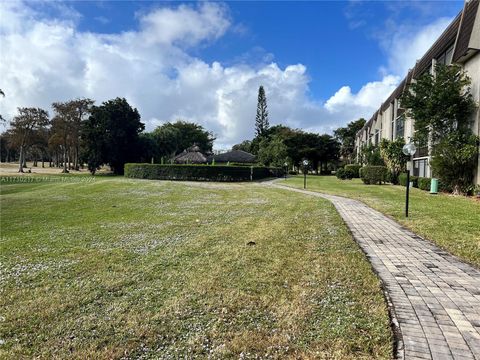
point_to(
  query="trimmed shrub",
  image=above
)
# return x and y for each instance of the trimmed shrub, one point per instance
(355, 170)
(374, 174)
(345, 174)
(424, 183)
(199, 172)
(402, 180)
(292, 172)
(444, 187)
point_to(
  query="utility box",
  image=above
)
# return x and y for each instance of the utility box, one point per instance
(434, 186)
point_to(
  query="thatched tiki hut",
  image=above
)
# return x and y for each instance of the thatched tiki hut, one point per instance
(192, 155)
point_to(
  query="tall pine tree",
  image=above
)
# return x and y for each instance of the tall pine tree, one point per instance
(261, 120)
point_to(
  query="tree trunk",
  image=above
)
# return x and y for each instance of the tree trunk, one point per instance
(20, 168)
(64, 160)
(77, 160)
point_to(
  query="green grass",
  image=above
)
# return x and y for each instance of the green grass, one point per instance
(452, 222)
(116, 268)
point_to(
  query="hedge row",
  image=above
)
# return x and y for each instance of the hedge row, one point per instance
(199, 172)
(374, 174)
(353, 169)
(402, 180)
(423, 183)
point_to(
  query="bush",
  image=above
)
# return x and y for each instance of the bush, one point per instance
(444, 187)
(402, 180)
(346, 174)
(199, 172)
(355, 170)
(374, 174)
(392, 178)
(424, 183)
(292, 172)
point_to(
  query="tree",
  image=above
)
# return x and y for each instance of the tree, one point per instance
(27, 121)
(81, 109)
(111, 135)
(453, 161)
(8, 146)
(261, 120)
(393, 156)
(245, 145)
(62, 127)
(66, 125)
(172, 138)
(1, 117)
(346, 136)
(272, 152)
(370, 155)
(442, 105)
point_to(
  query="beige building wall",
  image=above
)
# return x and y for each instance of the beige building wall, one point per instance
(472, 67)
(387, 123)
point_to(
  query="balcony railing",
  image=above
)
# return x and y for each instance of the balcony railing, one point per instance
(421, 152)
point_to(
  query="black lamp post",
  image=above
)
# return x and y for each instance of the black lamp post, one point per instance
(305, 167)
(408, 149)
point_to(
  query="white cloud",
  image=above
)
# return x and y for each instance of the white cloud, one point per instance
(45, 59)
(185, 24)
(405, 44)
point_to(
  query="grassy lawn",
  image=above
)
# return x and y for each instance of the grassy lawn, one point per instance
(451, 222)
(118, 268)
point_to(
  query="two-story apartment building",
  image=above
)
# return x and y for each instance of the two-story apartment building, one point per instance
(459, 44)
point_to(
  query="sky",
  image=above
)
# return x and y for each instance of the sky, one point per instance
(322, 64)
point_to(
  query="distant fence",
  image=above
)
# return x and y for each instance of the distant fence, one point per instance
(200, 172)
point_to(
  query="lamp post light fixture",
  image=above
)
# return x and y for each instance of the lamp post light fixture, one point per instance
(409, 150)
(305, 169)
(286, 169)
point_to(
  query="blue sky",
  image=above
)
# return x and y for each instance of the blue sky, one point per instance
(322, 63)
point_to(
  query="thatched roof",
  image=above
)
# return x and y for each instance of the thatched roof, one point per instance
(236, 156)
(192, 156)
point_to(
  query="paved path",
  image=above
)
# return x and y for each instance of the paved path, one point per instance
(434, 298)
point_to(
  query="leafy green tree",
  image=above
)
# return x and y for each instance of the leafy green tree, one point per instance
(393, 156)
(9, 149)
(245, 145)
(172, 138)
(148, 148)
(320, 150)
(442, 106)
(454, 158)
(272, 152)
(346, 137)
(66, 125)
(261, 120)
(24, 125)
(111, 135)
(62, 127)
(371, 155)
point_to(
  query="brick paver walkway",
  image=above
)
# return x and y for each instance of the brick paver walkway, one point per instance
(434, 298)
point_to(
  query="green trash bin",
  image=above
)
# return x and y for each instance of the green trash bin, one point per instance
(433, 186)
